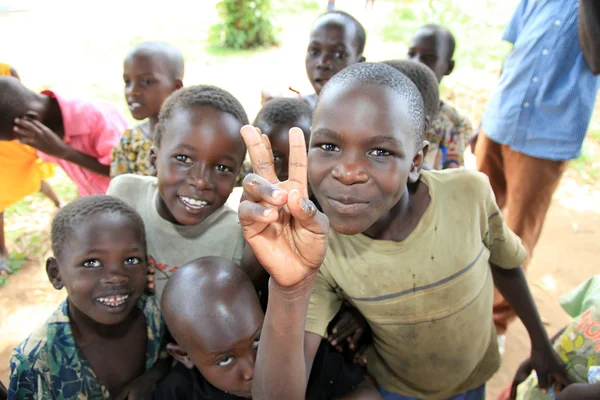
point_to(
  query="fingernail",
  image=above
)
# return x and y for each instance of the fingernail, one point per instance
(266, 213)
(17, 119)
(278, 194)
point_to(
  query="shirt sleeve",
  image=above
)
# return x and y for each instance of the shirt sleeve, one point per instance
(331, 377)
(583, 297)
(106, 134)
(513, 28)
(324, 303)
(23, 379)
(506, 249)
(119, 162)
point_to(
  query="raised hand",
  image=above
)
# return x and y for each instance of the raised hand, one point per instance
(33, 133)
(283, 227)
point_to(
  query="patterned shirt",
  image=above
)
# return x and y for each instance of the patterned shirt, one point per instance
(545, 96)
(132, 154)
(48, 364)
(448, 136)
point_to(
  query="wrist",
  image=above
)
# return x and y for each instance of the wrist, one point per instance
(295, 292)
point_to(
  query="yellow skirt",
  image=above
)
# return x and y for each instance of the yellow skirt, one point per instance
(21, 172)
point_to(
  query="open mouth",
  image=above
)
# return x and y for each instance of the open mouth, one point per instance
(134, 106)
(113, 301)
(193, 204)
(321, 81)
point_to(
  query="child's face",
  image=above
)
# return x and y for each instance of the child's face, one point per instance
(225, 351)
(279, 137)
(200, 155)
(148, 82)
(332, 48)
(363, 149)
(428, 50)
(103, 267)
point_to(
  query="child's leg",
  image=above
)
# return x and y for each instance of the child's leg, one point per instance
(47, 190)
(3, 249)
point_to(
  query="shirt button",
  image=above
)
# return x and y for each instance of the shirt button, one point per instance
(526, 104)
(545, 52)
(535, 79)
(557, 22)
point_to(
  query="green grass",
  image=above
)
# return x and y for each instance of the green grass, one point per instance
(15, 263)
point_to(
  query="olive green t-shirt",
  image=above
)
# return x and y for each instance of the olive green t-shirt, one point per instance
(427, 299)
(171, 246)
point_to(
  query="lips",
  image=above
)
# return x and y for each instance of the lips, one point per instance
(347, 205)
(133, 106)
(194, 204)
(321, 81)
(113, 301)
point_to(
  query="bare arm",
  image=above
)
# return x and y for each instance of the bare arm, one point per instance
(86, 161)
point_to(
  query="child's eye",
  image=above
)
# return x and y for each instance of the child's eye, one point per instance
(145, 82)
(225, 361)
(127, 82)
(183, 159)
(329, 147)
(412, 53)
(312, 51)
(255, 343)
(380, 153)
(339, 55)
(132, 261)
(92, 264)
(223, 168)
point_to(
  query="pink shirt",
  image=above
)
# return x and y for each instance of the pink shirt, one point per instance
(94, 128)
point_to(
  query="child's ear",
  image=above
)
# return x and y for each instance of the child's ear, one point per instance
(153, 152)
(450, 66)
(180, 355)
(362, 59)
(178, 84)
(54, 273)
(427, 122)
(417, 164)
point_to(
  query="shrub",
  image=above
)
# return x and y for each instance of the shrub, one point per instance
(245, 24)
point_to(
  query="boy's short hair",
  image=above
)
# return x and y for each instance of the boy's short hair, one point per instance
(424, 79)
(283, 110)
(361, 33)
(14, 98)
(378, 74)
(169, 52)
(443, 35)
(84, 208)
(199, 95)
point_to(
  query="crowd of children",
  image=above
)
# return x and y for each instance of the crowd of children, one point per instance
(167, 285)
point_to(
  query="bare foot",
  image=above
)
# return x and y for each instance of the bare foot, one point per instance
(4, 268)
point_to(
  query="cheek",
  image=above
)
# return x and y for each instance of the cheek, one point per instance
(224, 185)
(224, 379)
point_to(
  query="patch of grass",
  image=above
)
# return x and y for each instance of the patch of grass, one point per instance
(15, 263)
(587, 165)
(295, 6)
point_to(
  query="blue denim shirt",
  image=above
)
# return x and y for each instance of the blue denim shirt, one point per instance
(546, 93)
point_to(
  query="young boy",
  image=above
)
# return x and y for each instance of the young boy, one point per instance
(427, 296)
(578, 345)
(104, 341)
(197, 157)
(151, 72)
(213, 313)
(76, 134)
(449, 133)
(337, 40)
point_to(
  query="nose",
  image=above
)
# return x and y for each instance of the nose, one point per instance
(201, 177)
(247, 368)
(350, 171)
(132, 89)
(115, 274)
(324, 61)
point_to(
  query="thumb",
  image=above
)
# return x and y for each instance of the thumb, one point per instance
(306, 214)
(542, 382)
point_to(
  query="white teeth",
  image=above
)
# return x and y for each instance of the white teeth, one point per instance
(113, 301)
(135, 105)
(193, 203)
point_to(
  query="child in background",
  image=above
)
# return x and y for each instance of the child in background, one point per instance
(198, 155)
(449, 133)
(104, 341)
(578, 345)
(425, 291)
(23, 173)
(151, 72)
(214, 315)
(76, 134)
(337, 40)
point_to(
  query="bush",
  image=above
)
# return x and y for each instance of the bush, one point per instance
(246, 24)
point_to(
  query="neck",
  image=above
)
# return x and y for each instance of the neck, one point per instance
(49, 112)
(84, 328)
(152, 121)
(402, 219)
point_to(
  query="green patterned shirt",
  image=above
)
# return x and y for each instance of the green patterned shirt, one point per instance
(48, 364)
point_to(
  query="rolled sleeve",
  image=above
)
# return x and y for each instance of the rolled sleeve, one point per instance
(513, 28)
(324, 304)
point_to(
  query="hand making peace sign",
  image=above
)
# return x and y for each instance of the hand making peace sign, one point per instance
(285, 230)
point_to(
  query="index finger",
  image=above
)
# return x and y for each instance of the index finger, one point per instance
(260, 155)
(298, 166)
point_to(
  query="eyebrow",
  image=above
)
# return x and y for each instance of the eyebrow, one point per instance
(370, 141)
(327, 133)
(219, 353)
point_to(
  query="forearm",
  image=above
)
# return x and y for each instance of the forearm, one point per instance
(86, 161)
(159, 370)
(280, 371)
(513, 286)
(365, 391)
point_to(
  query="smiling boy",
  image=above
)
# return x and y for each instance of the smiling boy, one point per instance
(198, 156)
